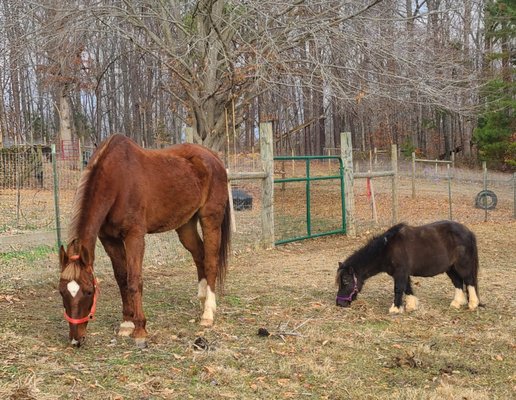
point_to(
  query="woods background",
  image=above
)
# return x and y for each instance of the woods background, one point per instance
(432, 76)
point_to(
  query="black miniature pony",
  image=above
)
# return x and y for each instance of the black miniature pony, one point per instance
(403, 251)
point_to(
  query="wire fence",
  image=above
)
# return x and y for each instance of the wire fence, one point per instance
(28, 191)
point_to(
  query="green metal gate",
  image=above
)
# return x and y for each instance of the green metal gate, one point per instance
(308, 179)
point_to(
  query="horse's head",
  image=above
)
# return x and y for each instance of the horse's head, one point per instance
(79, 290)
(348, 284)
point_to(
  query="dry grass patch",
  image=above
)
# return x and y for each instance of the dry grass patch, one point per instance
(315, 349)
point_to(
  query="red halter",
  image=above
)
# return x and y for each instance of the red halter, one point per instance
(91, 314)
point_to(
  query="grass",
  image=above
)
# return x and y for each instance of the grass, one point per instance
(31, 255)
(315, 349)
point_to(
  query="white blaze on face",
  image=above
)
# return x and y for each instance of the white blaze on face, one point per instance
(73, 287)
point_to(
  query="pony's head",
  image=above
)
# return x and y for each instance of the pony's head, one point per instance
(79, 290)
(349, 285)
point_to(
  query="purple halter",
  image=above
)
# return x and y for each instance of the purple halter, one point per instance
(355, 290)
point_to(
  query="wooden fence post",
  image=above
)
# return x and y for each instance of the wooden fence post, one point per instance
(189, 134)
(450, 215)
(413, 175)
(346, 154)
(267, 156)
(394, 163)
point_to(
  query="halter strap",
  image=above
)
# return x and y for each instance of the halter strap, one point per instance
(355, 290)
(91, 314)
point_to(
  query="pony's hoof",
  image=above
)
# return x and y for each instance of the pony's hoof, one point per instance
(411, 303)
(126, 328)
(207, 323)
(395, 310)
(141, 343)
(473, 306)
(456, 304)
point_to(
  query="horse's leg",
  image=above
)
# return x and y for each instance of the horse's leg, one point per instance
(459, 299)
(116, 251)
(400, 284)
(212, 241)
(134, 248)
(190, 239)
(411, 301)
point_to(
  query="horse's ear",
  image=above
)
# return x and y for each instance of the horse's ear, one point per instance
(85, 256)
(341, 265)
(63, 257)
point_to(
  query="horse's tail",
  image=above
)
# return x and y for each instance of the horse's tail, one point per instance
(225, 242)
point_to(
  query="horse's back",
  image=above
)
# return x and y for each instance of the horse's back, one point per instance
(159, 189)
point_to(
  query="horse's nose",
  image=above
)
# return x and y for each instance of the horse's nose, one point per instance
(343, 303)
(78, 343)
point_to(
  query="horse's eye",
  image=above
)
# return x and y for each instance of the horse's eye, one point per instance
(88, 292)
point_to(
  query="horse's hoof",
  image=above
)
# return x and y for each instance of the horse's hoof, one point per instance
(141, 343)
(411, 303)
(126, 328)
(395, 310)
(206, 322)
(473, 306)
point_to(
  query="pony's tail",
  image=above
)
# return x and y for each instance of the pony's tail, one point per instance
(476, 265)
(225, 243)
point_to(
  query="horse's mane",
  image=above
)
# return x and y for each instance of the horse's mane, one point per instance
(73, 227)
(373, 249)
(72, 272)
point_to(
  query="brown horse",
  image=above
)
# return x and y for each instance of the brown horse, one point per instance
(126, 192)
(404, 251)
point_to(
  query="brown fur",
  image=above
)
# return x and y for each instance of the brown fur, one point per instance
(127, 192)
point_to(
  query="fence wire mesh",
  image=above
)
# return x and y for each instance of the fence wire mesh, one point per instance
(27, 196)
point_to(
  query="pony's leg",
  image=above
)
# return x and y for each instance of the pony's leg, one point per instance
(411, 301)
(212, 241)
(400, 284)
(459, 299)
(190, 239)
(471, 285)
(134, 247)
(116, 251)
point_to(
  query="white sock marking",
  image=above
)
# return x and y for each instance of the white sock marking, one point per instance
(126, 328)
(127, 324)
(411, 303)
(74, 342)
(395, 310)
(210, 306)
(201, 294)
(73, 287)
(473, 299)
(459, 299)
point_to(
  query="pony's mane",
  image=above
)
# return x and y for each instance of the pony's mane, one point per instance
(71, 272)
(374, 248)
(73, 227)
